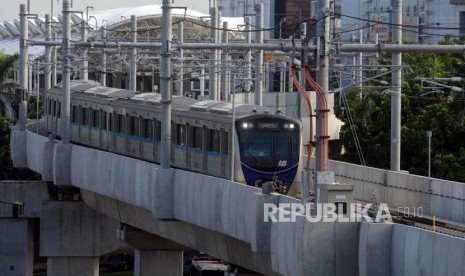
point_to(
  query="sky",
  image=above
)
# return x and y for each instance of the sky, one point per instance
(10, 8)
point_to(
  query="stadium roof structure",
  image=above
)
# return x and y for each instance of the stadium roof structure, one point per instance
(117, 24)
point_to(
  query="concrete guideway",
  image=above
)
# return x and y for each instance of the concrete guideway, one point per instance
(225, 219)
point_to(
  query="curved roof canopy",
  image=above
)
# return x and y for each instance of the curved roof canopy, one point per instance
(117, 23)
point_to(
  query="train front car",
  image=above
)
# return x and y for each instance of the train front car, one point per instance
(269, 148)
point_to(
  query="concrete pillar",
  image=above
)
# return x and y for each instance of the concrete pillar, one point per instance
(72, 236)
(16, 247)
(158, 262)
(72, 266)
(153, 255)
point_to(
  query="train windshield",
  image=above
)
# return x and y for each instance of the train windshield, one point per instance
(257, 145)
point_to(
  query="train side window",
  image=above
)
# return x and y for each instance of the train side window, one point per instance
(197, 143)
(147, 127)
(84, 112)
(59, 110)
(216, 140)
(212, 140)
(157, 131)
(208, 140)
(121, 126)
(134, 126)
(49, 107)
(181, 135)
(225, 143)
(73, 114)
(103, 120)
(110, 122)
(95, 118)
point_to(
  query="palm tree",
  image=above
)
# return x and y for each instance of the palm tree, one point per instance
(7, 64)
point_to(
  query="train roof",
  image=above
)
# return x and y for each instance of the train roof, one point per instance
(79, 85)
(180, 103)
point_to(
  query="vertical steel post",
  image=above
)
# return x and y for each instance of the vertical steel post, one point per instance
(429, 134)
(259, 17)
(47, 65)
(37, 96)
(219, 70)
(396, 80)
(360, 63)
(54, 62)
(289, 74)
(165, 85)
(212, 81)
(65, 68)
(23, 65)
(202, 83)
(133, 69)
(103, 55)
(233, 133)
(180, 83)
(248, 59)
(322, 76)
(225, 69)
(48, 54)
(303, 58)
(84, 72)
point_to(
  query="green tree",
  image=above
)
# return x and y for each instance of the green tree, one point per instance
(7, 171)
(7, 64)
(442, 113)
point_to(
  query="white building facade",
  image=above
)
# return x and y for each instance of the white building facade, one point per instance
(424, 21)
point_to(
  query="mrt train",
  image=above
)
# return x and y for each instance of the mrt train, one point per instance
(266, 147)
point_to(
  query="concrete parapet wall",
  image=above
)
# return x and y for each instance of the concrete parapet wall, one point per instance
(403, 191)
(113, 175)
(35, 151)
(358, 172)
(18, 148)
(314, 248)
(416, 251)
(374, 252)
(398, 250)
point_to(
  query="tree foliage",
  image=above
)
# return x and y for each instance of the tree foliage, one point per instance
(7, 171)
(442, 112)
(6, 69)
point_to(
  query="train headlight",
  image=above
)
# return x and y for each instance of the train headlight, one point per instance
(288, 126)
(247, 125)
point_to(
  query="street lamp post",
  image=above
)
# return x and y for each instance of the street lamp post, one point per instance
(429, 134)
